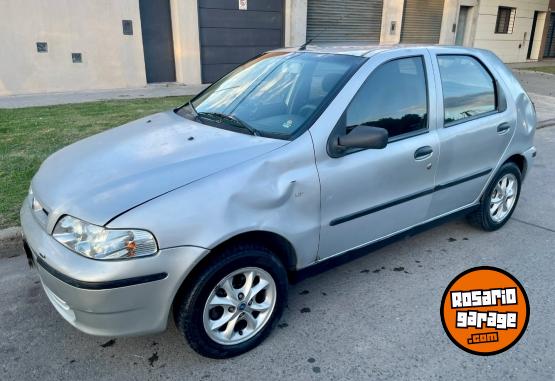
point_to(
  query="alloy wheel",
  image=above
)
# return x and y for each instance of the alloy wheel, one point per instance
(503, 197)
(239, 306)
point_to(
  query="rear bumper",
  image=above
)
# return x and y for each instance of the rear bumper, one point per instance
(117, 298)
(530, 156)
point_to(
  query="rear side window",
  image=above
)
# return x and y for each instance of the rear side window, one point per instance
(468, 88)
(393, 97)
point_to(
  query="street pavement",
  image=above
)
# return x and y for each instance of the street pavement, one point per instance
(376, 317)
(541, 88)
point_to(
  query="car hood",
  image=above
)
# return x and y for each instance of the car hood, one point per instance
(107, 174)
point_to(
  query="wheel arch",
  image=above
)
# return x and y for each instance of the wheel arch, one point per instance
(278, 244)
(520, 162)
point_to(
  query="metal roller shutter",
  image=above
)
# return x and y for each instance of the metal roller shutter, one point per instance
(230, 36)
(422, 21)
(347, 20)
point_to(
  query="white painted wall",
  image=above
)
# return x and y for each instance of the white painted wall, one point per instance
(509, 47)
(91, 27)
(113, 60)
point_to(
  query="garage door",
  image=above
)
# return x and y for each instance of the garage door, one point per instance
(230, 36)
(347, 20)
(422, 21)
(550, 38)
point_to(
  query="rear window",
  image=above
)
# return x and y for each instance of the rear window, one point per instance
(468, 88)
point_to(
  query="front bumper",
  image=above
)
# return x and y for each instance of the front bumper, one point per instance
(108, 298)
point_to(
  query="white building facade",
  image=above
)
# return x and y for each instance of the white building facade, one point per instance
(65, 45)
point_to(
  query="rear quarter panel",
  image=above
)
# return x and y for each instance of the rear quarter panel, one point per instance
(526, 123)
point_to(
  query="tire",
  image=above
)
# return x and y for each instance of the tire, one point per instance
(483, 217)
(193, 315)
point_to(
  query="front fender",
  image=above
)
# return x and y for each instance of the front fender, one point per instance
(278, 192)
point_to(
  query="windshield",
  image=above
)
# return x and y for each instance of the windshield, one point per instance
(274, 95)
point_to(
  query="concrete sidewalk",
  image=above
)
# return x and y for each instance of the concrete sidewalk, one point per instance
(545, 109)
(540, 86)
(542, 63)
(49, 99)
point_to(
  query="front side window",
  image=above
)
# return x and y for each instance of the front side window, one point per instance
(393, 97)
(276, 94)
(468, 88)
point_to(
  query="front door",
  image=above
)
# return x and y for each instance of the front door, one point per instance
(549, 50)
(370, 194)
(477, 126)
(532, 35)
(156, 27)
(461, 25)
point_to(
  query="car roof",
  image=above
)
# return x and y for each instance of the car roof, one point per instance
(363, 50)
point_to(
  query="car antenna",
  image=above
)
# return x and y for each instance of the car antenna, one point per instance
(303, 46)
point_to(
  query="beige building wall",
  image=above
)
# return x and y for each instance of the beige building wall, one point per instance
(114, 60)
(90, 27)
(295, 22)
(450, 21)
(392, 15)
(186, 41)
(512, 47)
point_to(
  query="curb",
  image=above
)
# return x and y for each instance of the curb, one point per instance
(531, 70)
(11, 243)
(545, 123)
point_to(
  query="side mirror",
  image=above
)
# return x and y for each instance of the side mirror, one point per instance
(364, 137)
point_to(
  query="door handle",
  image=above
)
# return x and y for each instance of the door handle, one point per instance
(503, 127)
(423, 153)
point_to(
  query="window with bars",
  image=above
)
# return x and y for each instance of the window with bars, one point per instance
(505, 20)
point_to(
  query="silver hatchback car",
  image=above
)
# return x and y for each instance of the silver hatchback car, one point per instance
(294, 158)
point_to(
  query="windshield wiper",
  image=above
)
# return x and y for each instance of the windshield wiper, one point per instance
(220, 117)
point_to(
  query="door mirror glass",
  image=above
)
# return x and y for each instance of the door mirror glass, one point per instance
(366, 137)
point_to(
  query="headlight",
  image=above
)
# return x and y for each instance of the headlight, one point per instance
(99, 243)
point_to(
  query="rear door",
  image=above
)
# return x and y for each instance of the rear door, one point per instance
(373, 193)
(475, 127)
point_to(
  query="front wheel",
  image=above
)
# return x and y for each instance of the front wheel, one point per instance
(234, 303)
(499, 200)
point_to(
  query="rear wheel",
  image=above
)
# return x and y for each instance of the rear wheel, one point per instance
(499, 200)
(233, 304)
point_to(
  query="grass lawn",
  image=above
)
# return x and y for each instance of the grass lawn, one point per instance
(543, 69)
(29, 135)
